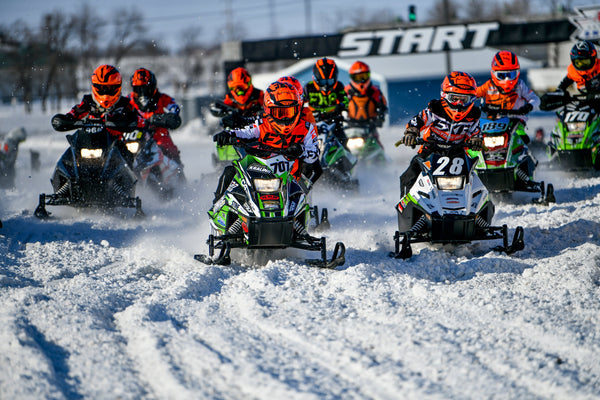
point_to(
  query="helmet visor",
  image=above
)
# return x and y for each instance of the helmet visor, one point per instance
(239, 89)
(506, 75)
(360, 77)
(459, 99)
(583, 63)
(143, 91)
(284, 115)
(106, 90)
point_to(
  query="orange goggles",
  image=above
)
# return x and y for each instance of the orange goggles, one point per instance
(361, 77)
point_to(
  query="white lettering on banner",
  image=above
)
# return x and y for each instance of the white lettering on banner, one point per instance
(419, 40)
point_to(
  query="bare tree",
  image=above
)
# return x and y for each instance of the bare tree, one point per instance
(191, 51)
(55, 32)
(443, 12)
(129, 31)
(22, 61)
(87, 31)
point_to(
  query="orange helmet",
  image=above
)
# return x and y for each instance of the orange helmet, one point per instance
(282, 106)
(294, 82)
(143, 83)
(106, 85)
(325, 73)
(459, 91)
(239, 84)
(505, 70)
(360, 76)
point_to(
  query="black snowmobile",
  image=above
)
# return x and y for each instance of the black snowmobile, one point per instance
(448, 203)
(92, 172)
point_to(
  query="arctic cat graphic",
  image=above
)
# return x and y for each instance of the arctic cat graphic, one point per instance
(505, 164)
(448, 203)
(266, 207)
(575, 141)
(92, 173)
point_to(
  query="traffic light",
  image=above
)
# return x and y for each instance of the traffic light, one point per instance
(412, 13)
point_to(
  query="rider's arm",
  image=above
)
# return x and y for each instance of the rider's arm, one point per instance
(528, 95)
(565, 83)
(250, 132)
(311, 146)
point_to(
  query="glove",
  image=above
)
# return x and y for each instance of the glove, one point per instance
(526, 109)
(63, 122)
(475, 143)
(410, 137)
(491, 108)
(165, 120)
(224, 138)
(235, 120)
(295, 150)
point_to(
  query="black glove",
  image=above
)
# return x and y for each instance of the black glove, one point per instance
(410, 137)
(295, 150)
(165, 120)
(224, 138)
(235, 120)
(475, 143)
(526, 109)
(63, 122)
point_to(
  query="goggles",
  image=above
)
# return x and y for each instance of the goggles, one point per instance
(583, 63)
(361, 77)
(106, 90)
(240, 89)
(144, 91)
(325, 82)
(284, 114)
(459, 99)
(506, 75)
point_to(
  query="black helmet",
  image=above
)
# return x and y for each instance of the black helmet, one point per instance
(583, 55)
(325, 73)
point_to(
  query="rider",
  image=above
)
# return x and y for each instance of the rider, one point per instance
(159, 111)
(281, 126)
(367, 104)
(325, 95)
(243, 97)
(306, 113)
(105, 104)
(451, 119)
(584, 71)
(506, 91)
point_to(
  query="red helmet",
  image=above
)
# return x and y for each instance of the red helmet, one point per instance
(143, 83)
(360, 76)
(505, 70)
(325, 73)
(239, 84)
(459, 91)
(106, 85)
(282, 106)
(583, 55)
(294, 82)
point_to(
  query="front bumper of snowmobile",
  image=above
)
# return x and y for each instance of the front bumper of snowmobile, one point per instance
(571, 159)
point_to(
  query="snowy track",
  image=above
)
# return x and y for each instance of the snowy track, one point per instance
(102, 306)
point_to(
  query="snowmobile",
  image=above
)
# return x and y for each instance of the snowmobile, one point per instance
(92, 172)
(9, 148)
(575, 141)
(364, 143)
(265, 207)
(151, 166)
(448, 203)
(231, 118)
(336, 159)
(505, 163)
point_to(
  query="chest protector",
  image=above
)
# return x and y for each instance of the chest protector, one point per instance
(271, 137)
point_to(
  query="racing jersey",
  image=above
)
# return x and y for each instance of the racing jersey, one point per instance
(320, 103)
(122, 112)
(586, 80)
(515, 99)
(368, 107)
(437, 126)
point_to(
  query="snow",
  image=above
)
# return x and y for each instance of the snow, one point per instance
(105, 306)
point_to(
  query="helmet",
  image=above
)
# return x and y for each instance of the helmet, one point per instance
(106, 85)
(505, 70)
(583, 55)
(282, 106)
(143, 83)
(360, 76)
(239, 84)
(294, 82)
(459, 91)
(325, 73)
